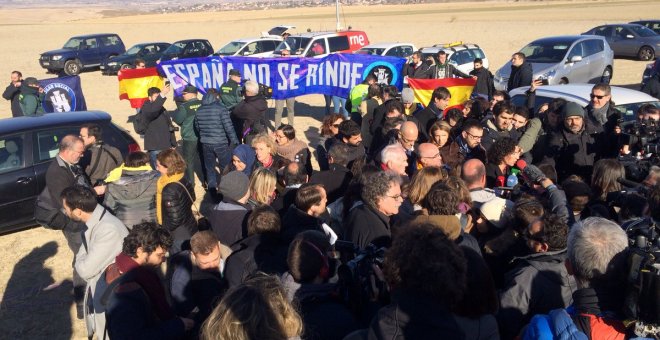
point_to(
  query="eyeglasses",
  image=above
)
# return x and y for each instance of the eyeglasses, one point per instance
(473, 137)
(396, 197)
(434, 156)
(405, 140)
(597, 96)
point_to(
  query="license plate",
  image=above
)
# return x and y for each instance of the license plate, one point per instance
(46, 63)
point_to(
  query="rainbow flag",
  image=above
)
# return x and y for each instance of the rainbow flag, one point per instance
(460, 89)
(134, 83)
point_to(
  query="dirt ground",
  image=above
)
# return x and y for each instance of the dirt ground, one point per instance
(36, 275)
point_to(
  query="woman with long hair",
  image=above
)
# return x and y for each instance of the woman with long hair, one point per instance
(329, 134)
(174, 198)
(291, 148)
(262, 187)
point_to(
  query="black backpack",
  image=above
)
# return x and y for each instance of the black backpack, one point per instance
(140, 123)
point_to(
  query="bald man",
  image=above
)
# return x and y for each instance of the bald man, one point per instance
(473, 173)
(407, 137)
(428, 155)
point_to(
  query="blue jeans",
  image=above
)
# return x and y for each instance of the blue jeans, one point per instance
(215, 154)
(339, 104)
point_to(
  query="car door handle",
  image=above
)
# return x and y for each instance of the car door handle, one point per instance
(24, 180)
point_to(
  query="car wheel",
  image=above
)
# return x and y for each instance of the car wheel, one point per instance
(645, 53)
(607, 75)
(563, 81)
(72, 67)
(125, 66)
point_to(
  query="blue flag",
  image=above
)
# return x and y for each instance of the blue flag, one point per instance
(335, 74)
(62, 94)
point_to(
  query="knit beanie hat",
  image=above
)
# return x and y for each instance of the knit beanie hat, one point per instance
(407, 95)
(234, 185)
(497, 211)
(571, 110)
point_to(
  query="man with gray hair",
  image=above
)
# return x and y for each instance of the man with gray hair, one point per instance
(249, 116)
(597, 259)
(393, 158)
(370, 222)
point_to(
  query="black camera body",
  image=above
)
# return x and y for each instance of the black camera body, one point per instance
(642, 134)
(264, 90)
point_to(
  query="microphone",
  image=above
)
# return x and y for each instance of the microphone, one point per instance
(521, 164)
(500, 181)
(530, 172)
(512, 181)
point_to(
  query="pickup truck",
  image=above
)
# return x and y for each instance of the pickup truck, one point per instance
(82, 52)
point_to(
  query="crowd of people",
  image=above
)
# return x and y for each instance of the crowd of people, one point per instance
(496, 220)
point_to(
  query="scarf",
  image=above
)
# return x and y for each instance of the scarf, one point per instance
(289, 151)
(150, 283)
(160, 185)
(600, 115)
(116, 173)
(247, 156)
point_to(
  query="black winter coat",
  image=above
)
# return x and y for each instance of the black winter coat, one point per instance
(484, 83)
(295, 221)
(158, 135)
(176, 210)
(213, 123)
(418, 72)
(414, 317)
(572, 153)
(520, 76)
(12, 93)
(366, 225)
(652, 88)
(335, 181)
(250, 113)
(228, 221)
(426, 117)
(262, 252)
(284, 200)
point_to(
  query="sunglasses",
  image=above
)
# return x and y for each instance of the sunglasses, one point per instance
(596, 96)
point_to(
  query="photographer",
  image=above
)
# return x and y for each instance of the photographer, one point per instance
(638, 134)
(597, 260)
(325, 317)
(159, 134)
(249, 116)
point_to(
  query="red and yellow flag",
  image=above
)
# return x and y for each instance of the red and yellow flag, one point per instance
(134, 83)
(460, 89)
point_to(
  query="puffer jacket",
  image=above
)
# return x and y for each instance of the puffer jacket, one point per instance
(132, 198)
(177, 213)
(213, 123)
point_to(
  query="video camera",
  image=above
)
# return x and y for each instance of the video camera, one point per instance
(264, 90)
(643, 134)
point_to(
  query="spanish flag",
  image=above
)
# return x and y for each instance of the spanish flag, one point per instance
(460, 89)
(134, 83)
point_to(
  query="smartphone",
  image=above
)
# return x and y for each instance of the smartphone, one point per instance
(543, 81)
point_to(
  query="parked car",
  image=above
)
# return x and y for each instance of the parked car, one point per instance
(653, 25)
(630, 40)
(650, 70)
(627, 101)
(565, 60)
(149, 52)
(401, 50)
(458, 54)
(250, 47)
(319, 44)
(28, 145)
(189, 48)
(82, 52)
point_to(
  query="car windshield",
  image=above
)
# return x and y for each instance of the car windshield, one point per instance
(231, 48)
(296, 45)
(643, 31)
(134, 50)
(628, 111)
(545, 52)
(371, 51)
(175, 48)
(73, 43)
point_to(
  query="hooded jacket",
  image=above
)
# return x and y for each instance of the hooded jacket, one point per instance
(213, 123)
(520, 76)
(538, 284)
(132, 198)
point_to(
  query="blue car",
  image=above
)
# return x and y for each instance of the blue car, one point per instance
(82, 52)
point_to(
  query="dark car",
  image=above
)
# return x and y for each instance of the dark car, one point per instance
(82, 52)
(28, 145)
(653, 25)
(149, 52)
(630, 40)
(190, 48)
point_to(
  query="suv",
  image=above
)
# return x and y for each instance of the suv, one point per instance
(565, 59)
(28, 145)
(82, 52)
(190, 48)
(149, 52)
(320, 44)
(458, 54)
(401, 50)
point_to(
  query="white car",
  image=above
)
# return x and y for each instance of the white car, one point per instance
(627, 101)
(401, 50)
(255, 47)
(458, 54)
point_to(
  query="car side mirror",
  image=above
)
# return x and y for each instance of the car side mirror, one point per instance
(575, 59)
(630, 36)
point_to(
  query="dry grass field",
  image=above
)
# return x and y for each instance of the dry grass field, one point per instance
(36, 274)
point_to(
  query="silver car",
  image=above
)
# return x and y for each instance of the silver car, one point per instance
(565, 59)
(630, 40)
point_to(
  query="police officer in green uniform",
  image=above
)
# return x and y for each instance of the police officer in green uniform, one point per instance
(184, 116)
(230, 91)
(30, 97)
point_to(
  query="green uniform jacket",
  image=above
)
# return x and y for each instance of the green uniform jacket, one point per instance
(30, 101)
(231, 94)
(358, 93)
(184, 116)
